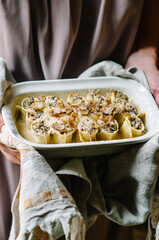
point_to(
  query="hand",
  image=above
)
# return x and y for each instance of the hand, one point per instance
(147, 61)
(12, 156)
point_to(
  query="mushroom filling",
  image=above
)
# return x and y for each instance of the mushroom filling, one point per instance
(87, 125)
(54, 101)
(136, 123)
(130, 108)
(110, 126)
(108, 109)
(56, 111)
(33, 115)
(75, 100)
(64, 125)
(95, 99)
(42, 99)
(28, 102)
(40, 127)
(84, 109)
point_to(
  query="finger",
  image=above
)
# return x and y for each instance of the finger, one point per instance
(1, 125)
(9, 151)
(156, 96)
(13, 157)
(153, 80)
(1, 118)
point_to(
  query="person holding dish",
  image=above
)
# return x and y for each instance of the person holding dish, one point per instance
(56, 39)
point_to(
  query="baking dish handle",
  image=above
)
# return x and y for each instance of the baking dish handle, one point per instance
(139, 76)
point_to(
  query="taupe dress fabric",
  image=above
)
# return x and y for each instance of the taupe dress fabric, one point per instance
(51, 39)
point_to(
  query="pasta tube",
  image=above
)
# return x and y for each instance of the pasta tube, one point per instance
(137, 126)
(41, 131)
(99, 104)
(78, 104)
(32, 116)
(28, 103)
(62, 130)
(96, 100)
(75, 100)
(132, 126)
(55, 106)
(87, 130)
(108, 128)
(31, 104)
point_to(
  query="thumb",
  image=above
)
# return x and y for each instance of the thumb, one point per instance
(156, 96)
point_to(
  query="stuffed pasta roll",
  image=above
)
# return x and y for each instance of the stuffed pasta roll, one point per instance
(132, 126)
(96, 101)
(55, 106)
(31, 104)
(32, 116)
(26, 105)
(79, 104)
(108, 128)
(62, 129)
(53, 101)
(87, 130)
(41, 131)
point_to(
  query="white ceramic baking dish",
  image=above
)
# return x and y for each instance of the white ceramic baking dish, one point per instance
(61, 88)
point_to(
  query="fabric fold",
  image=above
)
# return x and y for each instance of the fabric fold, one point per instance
(80, 182)
(43, 202)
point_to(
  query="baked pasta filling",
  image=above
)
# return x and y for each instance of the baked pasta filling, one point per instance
(33, 115)
(28, 103)
(136, 122)
(109, 126)
(64, 125)
(75, 100)
(87, 125)
(40, 127)
(78, 104)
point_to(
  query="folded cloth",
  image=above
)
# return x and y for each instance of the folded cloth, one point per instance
(121, 187)
(41, 202)
(110, 68)
(141, 197)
